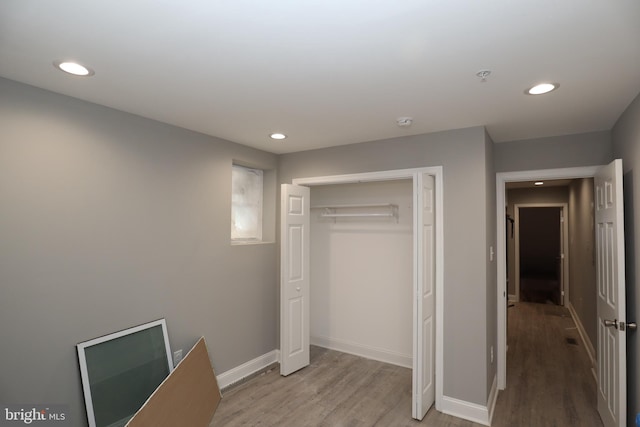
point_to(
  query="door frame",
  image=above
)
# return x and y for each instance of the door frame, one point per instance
(564, 247)
(389, 175)
(501, 179)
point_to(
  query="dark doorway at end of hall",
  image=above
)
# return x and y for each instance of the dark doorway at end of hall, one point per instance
(540, 255)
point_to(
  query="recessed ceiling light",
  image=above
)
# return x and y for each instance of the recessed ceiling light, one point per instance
(542, 88)
(74, 68)
(538, 183)
(278, 136)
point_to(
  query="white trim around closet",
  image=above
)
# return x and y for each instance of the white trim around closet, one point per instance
(437, 172)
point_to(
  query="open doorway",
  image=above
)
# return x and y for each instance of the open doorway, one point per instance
(539, 246)
(607, 256)
(537, 240)
(552, 228)
(540, 214)
(506, 283)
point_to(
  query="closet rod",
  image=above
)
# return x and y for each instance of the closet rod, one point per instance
(358, 205)
(338, 215)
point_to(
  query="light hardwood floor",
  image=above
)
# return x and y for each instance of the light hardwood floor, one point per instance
(549, 380)
(549, 383)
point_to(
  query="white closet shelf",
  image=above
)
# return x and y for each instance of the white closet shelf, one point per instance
(344, 215)
(357, 205)
(332, 211)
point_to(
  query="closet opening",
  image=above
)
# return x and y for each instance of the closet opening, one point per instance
(361, 268)
(361, 272)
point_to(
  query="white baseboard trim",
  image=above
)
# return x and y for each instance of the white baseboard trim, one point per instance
(513, 298)
(368, 352)
(241, 372)
(466, 410)
(493, 398)
(591, 352)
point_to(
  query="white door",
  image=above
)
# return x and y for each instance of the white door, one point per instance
(424, 307)
(612, 365)
(562, 259)
(294, 278)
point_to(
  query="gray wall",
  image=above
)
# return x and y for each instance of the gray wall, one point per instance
(566, 151)
(582, 265)
(492, 272)
(463, 155)
(109, 220)
(626, 145)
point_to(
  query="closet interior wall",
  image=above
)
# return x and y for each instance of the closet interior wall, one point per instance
(362, 270)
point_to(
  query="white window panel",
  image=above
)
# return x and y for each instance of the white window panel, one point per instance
(246, 204)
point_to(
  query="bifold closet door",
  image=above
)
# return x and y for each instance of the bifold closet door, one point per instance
(424, 311)
(294, 278)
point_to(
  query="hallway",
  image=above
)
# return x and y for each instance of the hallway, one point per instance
(549, 376)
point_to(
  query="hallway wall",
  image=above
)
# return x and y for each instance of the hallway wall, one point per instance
(582, 265)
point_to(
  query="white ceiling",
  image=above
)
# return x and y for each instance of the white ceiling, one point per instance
(335, 72)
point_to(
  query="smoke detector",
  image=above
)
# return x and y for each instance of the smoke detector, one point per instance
(404, 121)
(483, 74)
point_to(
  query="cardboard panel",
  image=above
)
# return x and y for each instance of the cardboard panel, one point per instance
(187, 397)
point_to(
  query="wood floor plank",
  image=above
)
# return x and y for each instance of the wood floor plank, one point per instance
(549, 383)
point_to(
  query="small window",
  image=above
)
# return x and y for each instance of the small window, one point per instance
(246, 204)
